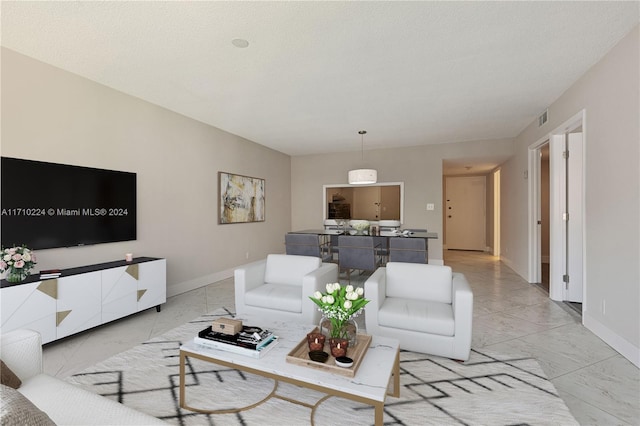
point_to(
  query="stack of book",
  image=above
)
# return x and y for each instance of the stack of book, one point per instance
(250, 341)
(49, 274)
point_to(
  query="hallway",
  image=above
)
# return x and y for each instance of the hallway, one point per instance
(511, 316)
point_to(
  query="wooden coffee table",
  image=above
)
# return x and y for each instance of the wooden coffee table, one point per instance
(371, 384)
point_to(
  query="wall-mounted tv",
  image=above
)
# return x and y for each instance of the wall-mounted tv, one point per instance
(47, 205)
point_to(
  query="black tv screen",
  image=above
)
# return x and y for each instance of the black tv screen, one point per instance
(47, 205)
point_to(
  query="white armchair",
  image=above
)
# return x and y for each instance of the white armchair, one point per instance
(279, 287)
(428, 308)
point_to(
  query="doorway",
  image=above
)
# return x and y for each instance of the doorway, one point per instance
(566, 207)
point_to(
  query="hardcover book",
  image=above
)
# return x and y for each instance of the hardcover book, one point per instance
(251, 341)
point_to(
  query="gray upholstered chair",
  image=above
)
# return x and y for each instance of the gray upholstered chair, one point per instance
(307, 245)
(358, 252)
(412, 250)
(428, 308)
(279, 287)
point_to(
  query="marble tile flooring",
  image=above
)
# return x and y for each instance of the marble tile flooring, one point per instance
(599, 386)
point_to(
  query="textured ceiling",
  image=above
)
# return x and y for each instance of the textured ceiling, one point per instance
(314, 73)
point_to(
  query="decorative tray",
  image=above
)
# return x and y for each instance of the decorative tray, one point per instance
(300, 355)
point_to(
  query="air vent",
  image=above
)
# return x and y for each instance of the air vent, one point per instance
(543, 118)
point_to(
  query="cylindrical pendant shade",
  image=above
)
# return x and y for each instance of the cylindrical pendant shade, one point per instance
(363, 176)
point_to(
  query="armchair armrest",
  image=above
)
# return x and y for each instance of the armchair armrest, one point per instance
(462, 300)
(21, 350)
(248, 277)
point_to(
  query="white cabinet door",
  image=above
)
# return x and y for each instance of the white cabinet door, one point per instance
(30, 306)
(119, 292)
(79, 303)
(152, 284)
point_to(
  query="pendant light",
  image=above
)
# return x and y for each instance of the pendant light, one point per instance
(362, 176)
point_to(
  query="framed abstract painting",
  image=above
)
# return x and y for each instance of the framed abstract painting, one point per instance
(241, 198)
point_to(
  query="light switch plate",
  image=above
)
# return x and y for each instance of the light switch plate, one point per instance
(431, 206)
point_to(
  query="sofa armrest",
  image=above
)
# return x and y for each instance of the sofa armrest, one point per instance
(247, 277)
(462, 299)
(21, 350)
(316, 280)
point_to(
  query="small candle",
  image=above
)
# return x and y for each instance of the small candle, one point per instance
(316, 341)
(128, 257)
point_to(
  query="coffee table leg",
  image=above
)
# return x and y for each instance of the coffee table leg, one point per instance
(379, 419)
(395, 375)
(182, 361)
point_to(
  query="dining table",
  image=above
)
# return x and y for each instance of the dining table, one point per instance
(328, 233)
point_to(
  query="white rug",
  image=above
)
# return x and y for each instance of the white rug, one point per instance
(489, 389)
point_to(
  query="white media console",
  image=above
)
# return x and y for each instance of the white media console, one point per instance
(84, 297)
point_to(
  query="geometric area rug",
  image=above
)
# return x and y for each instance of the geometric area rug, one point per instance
(488, 389)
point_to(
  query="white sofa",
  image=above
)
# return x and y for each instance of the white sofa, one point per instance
(428, 308)
(279, 287)
(63, 403)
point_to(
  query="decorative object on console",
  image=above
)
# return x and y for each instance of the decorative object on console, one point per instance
(241, 198)
(17, 261)
(340, 305)
(360, 226)
(362, 176)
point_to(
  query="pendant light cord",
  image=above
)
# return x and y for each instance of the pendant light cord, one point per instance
(362, 133)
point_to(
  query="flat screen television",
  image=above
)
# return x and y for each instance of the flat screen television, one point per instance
(47, 205)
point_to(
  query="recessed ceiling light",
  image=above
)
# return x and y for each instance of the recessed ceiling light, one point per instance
(240, 43)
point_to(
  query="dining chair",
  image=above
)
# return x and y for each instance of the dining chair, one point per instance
(358, 253)
(408, 250)
(307, 245)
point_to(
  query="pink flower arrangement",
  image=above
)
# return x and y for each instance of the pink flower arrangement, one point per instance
(17, 260)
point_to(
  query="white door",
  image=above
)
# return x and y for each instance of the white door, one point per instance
(566, 242)
(574, 222)
(465, 213)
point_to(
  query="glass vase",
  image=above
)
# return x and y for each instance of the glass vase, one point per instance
(349, 329)
(17, 275)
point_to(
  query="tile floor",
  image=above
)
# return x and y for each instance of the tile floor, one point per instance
(599, 386)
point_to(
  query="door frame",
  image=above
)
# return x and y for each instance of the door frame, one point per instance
(556, 290)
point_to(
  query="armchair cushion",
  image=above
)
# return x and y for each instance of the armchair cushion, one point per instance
(282, 297)
(417, 315)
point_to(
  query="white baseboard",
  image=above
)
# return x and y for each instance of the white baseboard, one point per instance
(185, 286)
(509, 263)
(617, 342)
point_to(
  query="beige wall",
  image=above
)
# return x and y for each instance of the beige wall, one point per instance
(609, 93)
(52, 115)
(420, 168)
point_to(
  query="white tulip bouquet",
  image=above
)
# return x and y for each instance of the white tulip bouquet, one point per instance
(339, 304)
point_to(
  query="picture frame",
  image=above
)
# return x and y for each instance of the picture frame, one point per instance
(241, 198)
